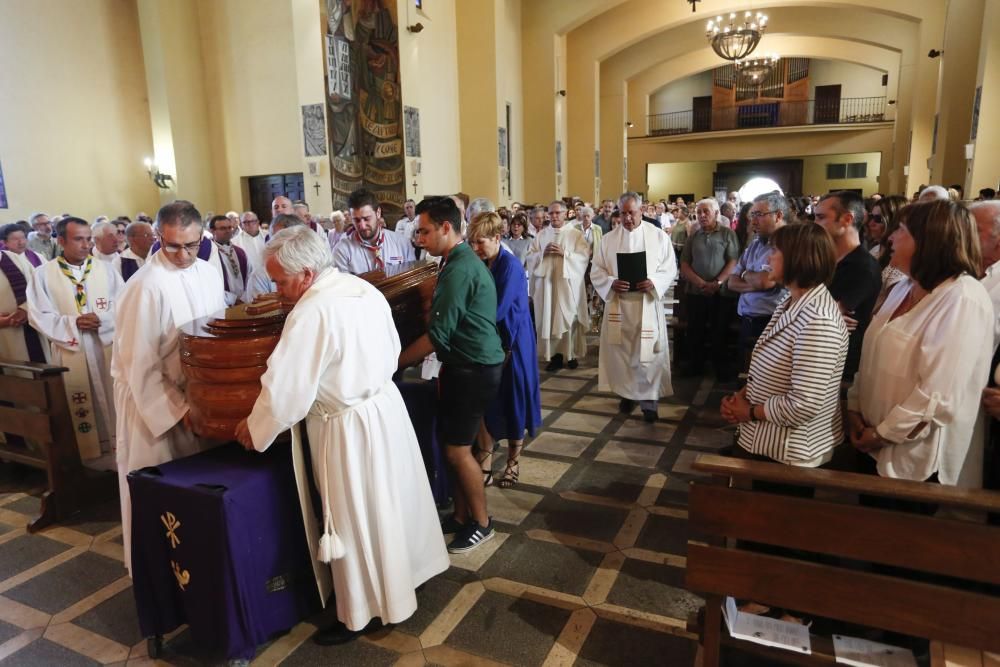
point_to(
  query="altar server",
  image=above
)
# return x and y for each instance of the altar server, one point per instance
(71, 301)
(173, 288)
(634, 362)
(557, 263)
(333, 368)
(18, 340)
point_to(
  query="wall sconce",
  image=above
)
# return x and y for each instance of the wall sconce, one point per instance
(156, 176)
(561, 92)
(415, 28)
(934, 53)
(629, 124)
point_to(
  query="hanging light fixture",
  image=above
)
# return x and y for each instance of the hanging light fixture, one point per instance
(756, 70)
(736, 41)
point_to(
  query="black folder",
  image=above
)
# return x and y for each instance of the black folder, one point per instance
(632, 267)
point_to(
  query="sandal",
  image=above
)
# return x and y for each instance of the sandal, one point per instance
(512, 471)
(481, 458)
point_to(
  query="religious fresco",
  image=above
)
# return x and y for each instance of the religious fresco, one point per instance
(363, 101)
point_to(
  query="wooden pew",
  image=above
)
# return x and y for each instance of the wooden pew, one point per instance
(33, 405)
(916, 602)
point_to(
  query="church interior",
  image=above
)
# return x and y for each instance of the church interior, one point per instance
(111, 107)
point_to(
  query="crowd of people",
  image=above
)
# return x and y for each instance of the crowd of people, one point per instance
(853, 332)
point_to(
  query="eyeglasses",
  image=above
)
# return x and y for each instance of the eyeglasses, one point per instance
(189, 248)
(757, 215)
(876, 217)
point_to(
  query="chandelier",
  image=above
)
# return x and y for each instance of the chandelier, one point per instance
(736, 41)
(757, 69)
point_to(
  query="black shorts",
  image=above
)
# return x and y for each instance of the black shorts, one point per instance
(464, 393)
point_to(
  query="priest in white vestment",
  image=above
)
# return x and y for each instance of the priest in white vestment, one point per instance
(251, 239)
(173, 288)
(634, 362)
(140, 237)
(18, 341)
(259, 281)
(557, 263)
(105, 241)
(333, 368)
(71, 301)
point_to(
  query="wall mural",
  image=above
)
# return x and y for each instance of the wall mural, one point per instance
(363, 101)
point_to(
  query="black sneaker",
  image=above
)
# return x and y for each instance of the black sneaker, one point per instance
(555, 363)
(471, 538)
(649, 416)
(338, 633)
(572, 364)
(452, 525)
(626, 405)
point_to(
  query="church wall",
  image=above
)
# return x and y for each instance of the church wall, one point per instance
(814, 180)
(75, 116)
(509, 90)
(854, 80)
(677, 96)
(666, 178)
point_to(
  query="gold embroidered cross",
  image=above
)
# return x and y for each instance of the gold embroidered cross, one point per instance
(183, 576)
(171, 523)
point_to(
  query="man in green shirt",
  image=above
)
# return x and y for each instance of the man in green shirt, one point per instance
(462, 331)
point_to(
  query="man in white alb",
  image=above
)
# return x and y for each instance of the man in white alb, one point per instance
(371, 247)
(105, 241)
(260, 282)
(634, 362)
(140, 239)
(251, 239)
(173, 288)
(333, 368)
(72, 301)
(557, 263)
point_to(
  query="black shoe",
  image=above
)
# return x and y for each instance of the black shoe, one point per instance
(472, 537)
(649, 416)
(572, 364)
(626, 406)
(555, 363)
(451, 525)
(338, 633)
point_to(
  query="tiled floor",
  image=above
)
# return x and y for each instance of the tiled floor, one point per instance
(588, 567)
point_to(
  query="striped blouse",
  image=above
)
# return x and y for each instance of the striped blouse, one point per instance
(795, 375)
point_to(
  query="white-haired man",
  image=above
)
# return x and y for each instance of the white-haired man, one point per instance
(105, 242)
(634, 362)
(174, 288)
(140, 239)
(933, 193)
(557, 263)
(259, 281)
(40, 238)
(370, 247)
(250, 239)
(380, 527)
(72, 302)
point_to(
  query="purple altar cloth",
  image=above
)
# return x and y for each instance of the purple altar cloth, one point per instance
(218, 543)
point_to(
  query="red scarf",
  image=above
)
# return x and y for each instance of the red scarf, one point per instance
(376, 248)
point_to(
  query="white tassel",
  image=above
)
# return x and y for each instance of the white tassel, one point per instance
(331, 547)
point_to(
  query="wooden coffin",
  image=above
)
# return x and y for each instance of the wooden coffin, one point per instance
(223, 356)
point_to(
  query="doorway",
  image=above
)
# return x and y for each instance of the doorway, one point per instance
(827, 109)
(701, 120)
(263, 190)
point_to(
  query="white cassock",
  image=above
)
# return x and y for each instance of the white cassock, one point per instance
(253, 246)
(109, 257)
(149, 384)
(350, 256)
(127, 253)
(12, 344)
(634, 362)
(53, 311)
(556, 285)
(333, 367)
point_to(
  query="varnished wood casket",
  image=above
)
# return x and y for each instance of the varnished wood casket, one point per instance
(223, 356)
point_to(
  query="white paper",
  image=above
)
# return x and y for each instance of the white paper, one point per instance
(431, 367)
(766, 631)
(865, 653)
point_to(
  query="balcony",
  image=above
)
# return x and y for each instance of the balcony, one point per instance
(777, 113)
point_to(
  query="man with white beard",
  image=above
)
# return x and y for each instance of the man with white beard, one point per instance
(634, 362)
(71, 301)
(557, 262)
(370, 247)
(333, 368)
(172, 288)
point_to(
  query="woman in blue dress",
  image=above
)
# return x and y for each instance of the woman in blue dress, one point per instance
(518, 406)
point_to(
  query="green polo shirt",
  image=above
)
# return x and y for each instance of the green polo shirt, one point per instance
(463, 324)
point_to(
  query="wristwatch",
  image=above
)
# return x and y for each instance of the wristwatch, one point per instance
(753, 414)
(743, 275)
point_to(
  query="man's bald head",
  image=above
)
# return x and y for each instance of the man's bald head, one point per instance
(281, 205)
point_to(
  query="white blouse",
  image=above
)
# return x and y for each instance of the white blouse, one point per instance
(928, 366)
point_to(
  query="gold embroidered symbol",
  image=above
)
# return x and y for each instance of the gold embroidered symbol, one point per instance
(171, 523)
(183, 576)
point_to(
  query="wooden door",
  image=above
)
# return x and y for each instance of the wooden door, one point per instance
(263, 190)
(827, 109)
(701, 120)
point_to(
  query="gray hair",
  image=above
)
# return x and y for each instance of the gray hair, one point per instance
(634, 196)
(477, 206)
(992, 208)
(586, 209)
(134, 228)
(299, 248)
(934, 193)
(233, 215)
(36, 216)
(710, 202)
(539, 209)
(102, 229)
(283, 221)
(243, 218)
(558, 202)
(775, 202)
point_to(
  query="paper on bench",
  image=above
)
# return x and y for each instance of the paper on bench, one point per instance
(865, 653)
(766, 631)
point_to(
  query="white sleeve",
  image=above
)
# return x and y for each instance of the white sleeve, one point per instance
(600, 271)
(45, 318)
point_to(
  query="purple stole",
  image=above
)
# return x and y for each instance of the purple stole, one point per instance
(241, 258)
(19, 284)
(33, 257)
(129, 266)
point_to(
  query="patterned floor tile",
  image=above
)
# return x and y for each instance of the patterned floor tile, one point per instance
(564, 383)
(115, 618)
(612, 643)
(535, 470)
(4, 528)
(544, 564)
(25, 552)
(619, 482)
(709, 438)
(654, 588)
(664, 534)
(510, 505)
(683, 463)
(360, 653)
(672, 412)
(474, 560)
(431, 600)
(559, 444)
(602, 404)
(67, 583)
(597, 522)
(97, 520)
(7, 631)
(511, 630)
(29, 506)
(554, 399)
(635, 427)
(43, 653)
(630, 453)
(575, 421)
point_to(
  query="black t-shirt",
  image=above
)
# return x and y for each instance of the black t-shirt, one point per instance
(856, 285)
